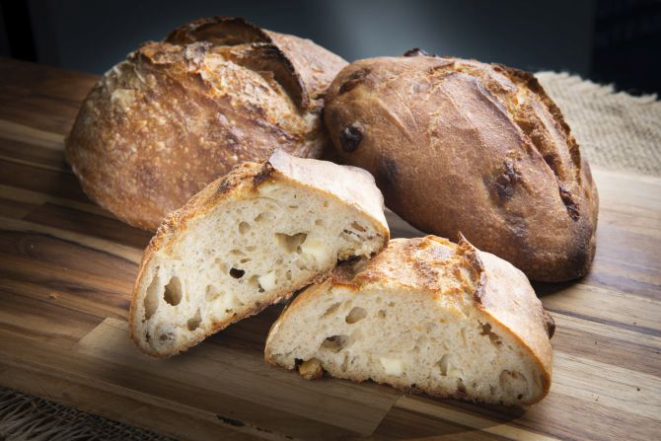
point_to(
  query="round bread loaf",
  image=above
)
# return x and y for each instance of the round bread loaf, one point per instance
(180, 113)
(459, 146)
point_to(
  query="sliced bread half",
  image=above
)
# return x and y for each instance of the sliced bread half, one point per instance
(425, 315)
(249, 240)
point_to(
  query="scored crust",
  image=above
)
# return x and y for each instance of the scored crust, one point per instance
(313, 66)
(356, 189)
(481, 281)
(180, 113)
(503, 165)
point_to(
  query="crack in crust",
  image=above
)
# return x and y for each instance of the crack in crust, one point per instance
(262, 56)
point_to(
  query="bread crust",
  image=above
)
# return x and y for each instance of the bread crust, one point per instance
(180, 113)
(420, 266)
(463, 147)
(312, 64)
(357, 189)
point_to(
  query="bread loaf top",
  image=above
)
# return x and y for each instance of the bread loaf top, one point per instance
(310, 66)
(178, 114)
(460, 146)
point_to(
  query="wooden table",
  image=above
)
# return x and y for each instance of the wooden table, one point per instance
(67, 268)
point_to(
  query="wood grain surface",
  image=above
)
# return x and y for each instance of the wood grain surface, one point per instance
(67, 269)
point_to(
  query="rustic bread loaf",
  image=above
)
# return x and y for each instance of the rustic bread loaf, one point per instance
(425, 315)
(248, 240)
(180, 113)
(463, 146)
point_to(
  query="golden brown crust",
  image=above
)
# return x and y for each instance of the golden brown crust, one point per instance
(312, 65)
(458, 274)
(355, 188)
(463, 146)
(316, 65)
(178, 114)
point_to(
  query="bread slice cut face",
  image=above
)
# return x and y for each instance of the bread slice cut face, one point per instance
(425, 315)
(249, 240)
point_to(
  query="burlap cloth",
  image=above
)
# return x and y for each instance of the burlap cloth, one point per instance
(615, 130)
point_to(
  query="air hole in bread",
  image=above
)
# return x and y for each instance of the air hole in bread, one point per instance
(381, 314)
(173, 293)
(444, 365)
(237, 273)
(291, 243)
(262, 217)
(237, 252)
(325, 204)
(485, 329)
(244, 227)
(293, 207)
(288, 275)
(194, 322)
(461, 387)
(356, 315)
(251, 248)
(332, 309)
(319, 222)
(166, 336)
(245, 260)
(350, 236)
(335, 343)
(151, 298)
(357, 226)
(254, 282)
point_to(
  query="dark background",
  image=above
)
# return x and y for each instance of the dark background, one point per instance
(610, 41)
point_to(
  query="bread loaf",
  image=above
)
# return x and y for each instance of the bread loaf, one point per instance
(425, 315)
(459, 146)
(248, 240)
(180, 113)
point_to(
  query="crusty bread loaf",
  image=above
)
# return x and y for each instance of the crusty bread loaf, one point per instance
(248, 240)
(425, 315)
(180, 113)
(463, 146)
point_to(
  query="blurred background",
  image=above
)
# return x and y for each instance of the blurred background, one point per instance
(607, 41)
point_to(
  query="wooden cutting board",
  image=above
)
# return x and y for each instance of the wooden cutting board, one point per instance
(67, 268)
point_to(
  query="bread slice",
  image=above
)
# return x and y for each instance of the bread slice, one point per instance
(425, 315)
(249, 240)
